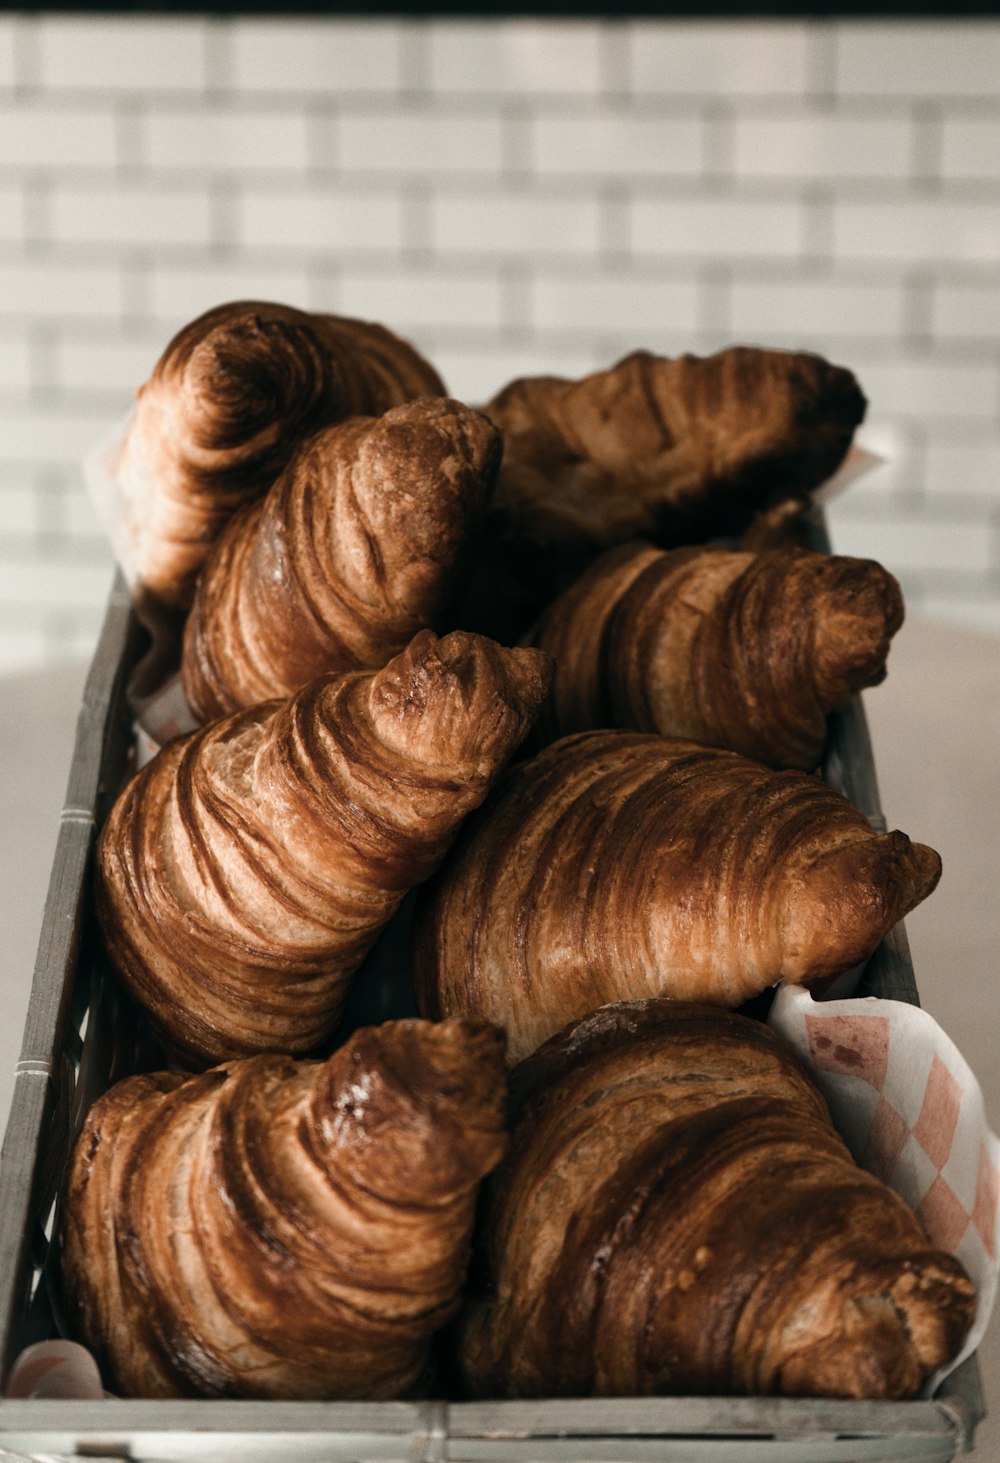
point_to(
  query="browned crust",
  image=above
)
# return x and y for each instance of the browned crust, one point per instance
(280, 1229)
(674, 450)
(245, 873)
(677, 1215)
(750, 652)
(231, 397)
(354, 549)
(617, 865)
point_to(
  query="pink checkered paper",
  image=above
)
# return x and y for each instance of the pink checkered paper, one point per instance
(909, 1107)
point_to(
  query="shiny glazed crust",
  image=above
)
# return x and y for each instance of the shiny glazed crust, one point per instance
(229, 400)
(737, 650)
(617, 865)
(677, 1215)
(280, 1229)
(354, 549)
(244, 874)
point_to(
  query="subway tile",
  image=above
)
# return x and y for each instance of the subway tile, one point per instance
(613, 303)
(7, 57)
(141, 213)
(416, 143)
(13, 214)
(49, 291)
(931, 543)
(316, 57)
(716, 228)
(412, 299)
(517, 57)
(970, 147)
(935, 58)
(319, 220)
(178, 295)
(34, 135)
(964, 468)
(966, 310)
(135, 54)
(940, 230)
(103, 366)
(218, 138)
(515, 225)
(926, 389)
(19, 510)
(23, 647)
(826, 145)
(719, 58)
(617, 146)
(15, 362)
(49, 437)
(51, 584)
(804, 312)
(477, 374)
(79, 520)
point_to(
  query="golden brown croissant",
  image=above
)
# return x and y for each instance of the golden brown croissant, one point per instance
(676, 451)
(354, 549)
(617, 865)
(283, 1229)
(228, 401)
(244, 874)
(677, 1215)
(749, 652)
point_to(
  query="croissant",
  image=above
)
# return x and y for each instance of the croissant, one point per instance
(678, 1215)
(244, 874)
(228, 401)
(353, 550)
(617, 865)
(749, 652)
(676, 451)
(282, 1229)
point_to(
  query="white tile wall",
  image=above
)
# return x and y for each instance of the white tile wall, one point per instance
(6, 50)
(525, 59)
(315, 58)
(102, 54)
(517, 197)
(720, 59)
(212, 139)
(970, 148)
(823, 145)
(939, 59)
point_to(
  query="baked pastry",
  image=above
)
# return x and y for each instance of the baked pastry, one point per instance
(228, 401)
(676, 451)
(244, 874)
(750, 652)
(282, 1229)
(354, 549)
(617, 865)
(678, 1215)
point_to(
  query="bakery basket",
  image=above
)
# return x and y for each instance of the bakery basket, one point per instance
(79, 1037)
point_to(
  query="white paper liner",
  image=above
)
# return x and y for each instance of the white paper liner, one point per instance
(55, 1370)
(909, 1107)
(857, 464)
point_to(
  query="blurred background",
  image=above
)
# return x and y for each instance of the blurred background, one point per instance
(515, 196)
